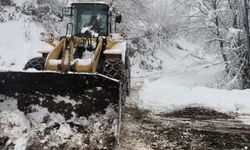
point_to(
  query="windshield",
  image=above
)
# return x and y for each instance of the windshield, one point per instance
(90, 16)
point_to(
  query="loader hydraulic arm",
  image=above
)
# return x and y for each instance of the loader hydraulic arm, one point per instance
(62, 56)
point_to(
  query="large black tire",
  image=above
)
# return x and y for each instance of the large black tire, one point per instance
(115, 68)
(128, 75)
(35, 63)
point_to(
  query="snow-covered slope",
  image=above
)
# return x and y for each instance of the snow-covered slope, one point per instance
(19, 42)
(188, 79)
(21, 23)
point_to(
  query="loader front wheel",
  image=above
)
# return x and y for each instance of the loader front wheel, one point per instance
(128, 75)
(35, 63)
(114, 68)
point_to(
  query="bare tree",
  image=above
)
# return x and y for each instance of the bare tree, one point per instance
(211, 8)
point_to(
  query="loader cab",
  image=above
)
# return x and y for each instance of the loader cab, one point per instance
(93, 17)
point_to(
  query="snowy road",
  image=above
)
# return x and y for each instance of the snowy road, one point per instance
(191, 128)
(180, 108)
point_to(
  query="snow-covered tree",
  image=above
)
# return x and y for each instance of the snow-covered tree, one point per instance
(219, 24)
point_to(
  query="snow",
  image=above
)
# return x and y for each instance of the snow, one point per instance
(64, 132)
(234, 33)
(212, 14)
(119, 48)
(171, 96)
(19, 41)
(14, 125)
(84, 62)
(65, 99)
(245, 119)
(87, 57)
(187, 81)
(21, 2)
(116, 37)
(52, 130)
(55, 62)
(40, 113)
(10, 105)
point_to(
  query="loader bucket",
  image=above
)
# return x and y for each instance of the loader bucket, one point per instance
(81, 94)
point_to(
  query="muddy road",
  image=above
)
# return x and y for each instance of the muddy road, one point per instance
(142, 130)
(190, 128)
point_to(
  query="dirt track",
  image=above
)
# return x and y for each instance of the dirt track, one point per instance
(143, 130)
(191, 128)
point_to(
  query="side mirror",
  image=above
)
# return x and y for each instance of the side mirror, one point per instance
(47, 37)
(118, 19)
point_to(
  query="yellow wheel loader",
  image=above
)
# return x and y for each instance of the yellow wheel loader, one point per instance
(89, 65)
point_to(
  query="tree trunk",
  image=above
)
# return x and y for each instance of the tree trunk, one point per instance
(246, 71)
(221, 43)
(246, 20)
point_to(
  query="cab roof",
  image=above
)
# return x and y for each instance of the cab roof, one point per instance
(105, 2)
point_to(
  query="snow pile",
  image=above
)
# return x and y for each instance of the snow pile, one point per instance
(44, 130)
(172, 96)
(14, 127)
(41, 129)
(80, 133)
(40, 114)
(188, 80)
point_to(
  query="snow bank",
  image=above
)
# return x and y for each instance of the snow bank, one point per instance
(169, 97)
(187, 80)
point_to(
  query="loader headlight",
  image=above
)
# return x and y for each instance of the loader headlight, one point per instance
(47, 37)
